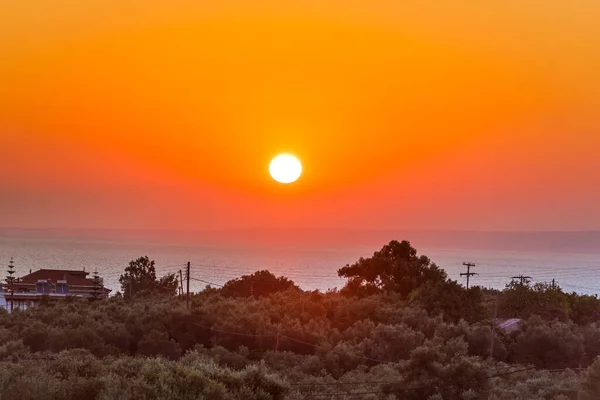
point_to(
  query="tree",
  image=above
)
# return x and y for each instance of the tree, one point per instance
(10, 280)
(584, 309)
(158, 343)
(259, 284)
(520, 300)
(140, 278)
(590, 384)
(98, 288)
(396, 267)
(451, 300)
(552, 345)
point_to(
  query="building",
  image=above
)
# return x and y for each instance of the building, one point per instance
(50, 285)
(509, 325)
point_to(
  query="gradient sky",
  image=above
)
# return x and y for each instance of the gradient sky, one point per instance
(446, 114)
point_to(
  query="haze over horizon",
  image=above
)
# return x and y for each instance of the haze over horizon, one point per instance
(582, 242)
(154, 115)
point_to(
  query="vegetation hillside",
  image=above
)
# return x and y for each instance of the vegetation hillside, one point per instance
(399, 329)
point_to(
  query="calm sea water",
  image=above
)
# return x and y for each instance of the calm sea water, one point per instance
(310, 268)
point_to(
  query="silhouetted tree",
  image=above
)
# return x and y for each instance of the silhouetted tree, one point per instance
(451, 300)
(520, 300)
(140, 278)
(259, 284)
(98, 289)
(396, 267)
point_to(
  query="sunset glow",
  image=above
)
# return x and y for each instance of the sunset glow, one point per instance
(468, 115)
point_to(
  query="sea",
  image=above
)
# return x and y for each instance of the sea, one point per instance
(311, 265)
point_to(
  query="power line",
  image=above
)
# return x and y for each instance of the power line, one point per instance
(343, 394)
(232, 333)
(412, 388)
(163, 287)
(341, 383)
(468, 273)
(289, 338)
(579, 287)
(523, 279)
(352, 354)
(207, 282)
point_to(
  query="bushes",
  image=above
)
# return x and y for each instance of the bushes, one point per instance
(552, 346)
(74, 374)
(417, 336)
(343, 338)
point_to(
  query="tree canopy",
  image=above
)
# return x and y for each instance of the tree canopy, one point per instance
(140, 279)
(382, 341)
(396, 268)
(259, 284)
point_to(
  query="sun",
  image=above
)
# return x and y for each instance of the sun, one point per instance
(285, 168)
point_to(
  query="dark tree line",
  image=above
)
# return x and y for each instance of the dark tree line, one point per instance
(399, 322)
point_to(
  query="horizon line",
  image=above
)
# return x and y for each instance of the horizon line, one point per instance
(382, 230)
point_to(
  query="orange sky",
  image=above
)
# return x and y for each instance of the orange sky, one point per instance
(452, 114)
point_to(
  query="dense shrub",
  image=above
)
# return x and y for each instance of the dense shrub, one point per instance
(399, 329)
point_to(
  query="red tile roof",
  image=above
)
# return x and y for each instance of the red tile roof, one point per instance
(73, 277)
(55, 275)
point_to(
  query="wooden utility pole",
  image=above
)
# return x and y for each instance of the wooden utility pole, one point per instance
(187, 276)
(180, 284)
(468, 273)
(494, 326)
(522, 279)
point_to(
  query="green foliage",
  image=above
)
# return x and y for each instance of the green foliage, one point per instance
(523, 301)
(396, 267)
(590, 384)
(259, 284)
(552, 346)
(451, 300)
(156, 343)
(403, 331)
(442, 369)
(140, 279)
(76, 374)
(584, 309)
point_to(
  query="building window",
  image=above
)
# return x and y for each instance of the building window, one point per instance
(62, 288)
(42, 287)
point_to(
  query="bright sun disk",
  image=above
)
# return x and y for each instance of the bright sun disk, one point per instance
(285, 168)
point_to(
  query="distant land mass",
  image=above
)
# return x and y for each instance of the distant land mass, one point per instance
(539, 241)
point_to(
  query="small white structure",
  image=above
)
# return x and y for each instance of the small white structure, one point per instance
(509, 325)
(3, 304)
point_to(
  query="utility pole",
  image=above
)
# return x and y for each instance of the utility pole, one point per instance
(468, 273)
(494, 326)
(187, 276)
(180, 284)
(522, 279)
